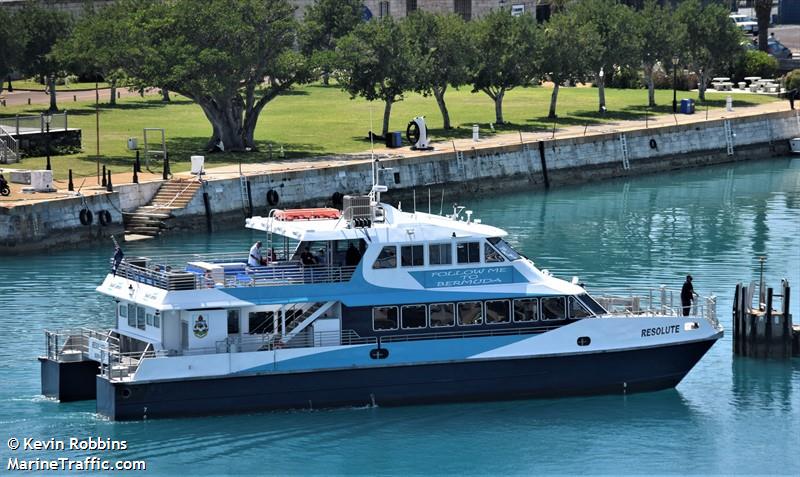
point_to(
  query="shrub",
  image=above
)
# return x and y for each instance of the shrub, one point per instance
(755, 63)
(626, 77)
(685, 81)
(792, 79)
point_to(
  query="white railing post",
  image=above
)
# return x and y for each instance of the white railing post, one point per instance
(663, 299)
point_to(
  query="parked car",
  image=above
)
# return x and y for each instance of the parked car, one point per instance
(747, 24)
(776, 49)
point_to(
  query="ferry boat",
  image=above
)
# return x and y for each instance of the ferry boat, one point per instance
(395, 308)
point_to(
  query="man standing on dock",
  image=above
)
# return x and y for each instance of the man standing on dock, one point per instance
(687, 295)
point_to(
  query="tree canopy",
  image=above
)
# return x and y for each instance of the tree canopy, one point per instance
(657, 41)
(12, 41)
(374, 63)
(325, 22)
(505, 52)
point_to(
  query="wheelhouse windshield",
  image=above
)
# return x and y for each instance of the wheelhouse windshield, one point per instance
(504, 248)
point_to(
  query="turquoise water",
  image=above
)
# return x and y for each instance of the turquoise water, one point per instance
(730, 415)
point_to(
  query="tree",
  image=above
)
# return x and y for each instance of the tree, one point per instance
(374, 62)
(41, 28)
(505, 49)
(92, 47)
(326, 21)
(619, 45)
(440, 53)
(566, 45)
(656, 33)
(10, 38)
(708, 39)
(232, 57)
(763, 13)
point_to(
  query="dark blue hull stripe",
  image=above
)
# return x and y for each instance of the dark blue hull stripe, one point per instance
(596, 373)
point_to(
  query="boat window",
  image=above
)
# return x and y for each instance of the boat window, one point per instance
(140, 318)
(387, 258)
(412, 256)
(149, 319)
(123, 310)
(470, 313)
(413, 316)
(498, 311)
(505, 248)
(260, 322)
(468, 252)
(526, 309)
(347, 252)
(157, 320)
(577, 309)
(490, 254)
(233, 322)
(384, 318)
(553, 308)
(132, 315)
(590, 302)
(442, 314)
(440, 254)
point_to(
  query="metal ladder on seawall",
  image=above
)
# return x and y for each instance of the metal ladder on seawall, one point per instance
(625, 155)
(243, 189)
(729, 136)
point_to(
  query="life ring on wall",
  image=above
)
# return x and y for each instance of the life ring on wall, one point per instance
(272, 197)
(337, 199)
(653, 144)
(104, 216)
(86, 217)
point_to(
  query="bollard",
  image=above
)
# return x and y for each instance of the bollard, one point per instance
(74, 98)
(729, 103)
(475, 133)
(138, 166)
(70, 185)
(165, 174)
(109, 187)
(29, 101)
(103, 182)
(135, 175)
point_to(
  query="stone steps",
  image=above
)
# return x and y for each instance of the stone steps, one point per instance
(149, 220)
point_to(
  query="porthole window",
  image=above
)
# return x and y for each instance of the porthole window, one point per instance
(584, 341)
(384, 318)
(413, 316)
(498, 311)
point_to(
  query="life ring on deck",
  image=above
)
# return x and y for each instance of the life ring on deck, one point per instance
(337, 199)
(272, 197)
(653, 144)
(104, 217)
(86, 217)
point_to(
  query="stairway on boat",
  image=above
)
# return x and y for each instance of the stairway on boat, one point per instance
(149, 220)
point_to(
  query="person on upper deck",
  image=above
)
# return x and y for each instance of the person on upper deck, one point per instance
(687, 295)
(254, 260)
(307, 258)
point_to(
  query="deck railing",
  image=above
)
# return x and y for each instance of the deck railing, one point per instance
(73, 345)
(290, 273)
(657, 302)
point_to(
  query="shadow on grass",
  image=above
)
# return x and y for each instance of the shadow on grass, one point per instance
(87, 110)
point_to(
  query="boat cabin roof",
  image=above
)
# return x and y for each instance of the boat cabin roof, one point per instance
(397, 226)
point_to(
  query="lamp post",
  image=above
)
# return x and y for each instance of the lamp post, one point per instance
(47, 118)
(602, 85)
(674, 85)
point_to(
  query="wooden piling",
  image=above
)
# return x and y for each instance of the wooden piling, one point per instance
(764, 332)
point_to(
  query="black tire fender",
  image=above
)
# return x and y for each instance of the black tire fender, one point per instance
(86, 217)
(272, 197)
(104, 216)
(653, 144)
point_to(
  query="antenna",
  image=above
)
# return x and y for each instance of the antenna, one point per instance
(375, 192)
(414, 191)
(429, 200)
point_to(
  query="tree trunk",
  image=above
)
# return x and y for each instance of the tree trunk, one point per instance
(165, 95)
(553, 101)
(113, 98)
(498, 107)
(651, 87)
(601, 90)
(326, 78)
(702, 85)
(438, 93)
(51, 80)
(10, 86)
(387, 112)
(763, 11)
(225, 115)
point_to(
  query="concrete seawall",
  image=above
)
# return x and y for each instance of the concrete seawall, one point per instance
(477, 170)
(482, 170)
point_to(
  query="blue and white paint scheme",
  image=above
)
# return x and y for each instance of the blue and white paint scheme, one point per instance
(370, 305)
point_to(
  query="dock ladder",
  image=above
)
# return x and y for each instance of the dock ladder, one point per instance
(625, 154)
(729, 136)
(243, 189)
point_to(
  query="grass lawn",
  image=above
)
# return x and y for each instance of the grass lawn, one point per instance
(35, 85)
(316, 120)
